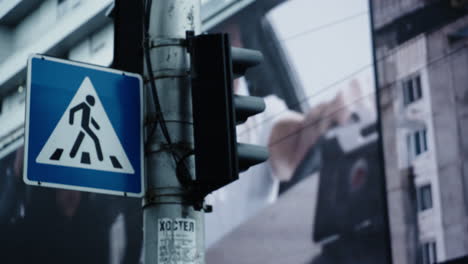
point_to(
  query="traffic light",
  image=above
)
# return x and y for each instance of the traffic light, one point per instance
(128, 35)
(216, 111)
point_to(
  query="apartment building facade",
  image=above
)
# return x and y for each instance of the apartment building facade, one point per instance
(421, 61)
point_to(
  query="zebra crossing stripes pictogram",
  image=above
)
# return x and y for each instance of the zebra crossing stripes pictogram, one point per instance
(84, 137)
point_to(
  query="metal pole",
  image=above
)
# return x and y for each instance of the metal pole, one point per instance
(173, 229)
(383, 187)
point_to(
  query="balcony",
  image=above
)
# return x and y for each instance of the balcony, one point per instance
(44, 31)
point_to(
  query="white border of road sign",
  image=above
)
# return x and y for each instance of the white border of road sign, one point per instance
(26, 129)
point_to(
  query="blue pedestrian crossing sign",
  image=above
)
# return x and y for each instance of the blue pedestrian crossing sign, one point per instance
(83, 127)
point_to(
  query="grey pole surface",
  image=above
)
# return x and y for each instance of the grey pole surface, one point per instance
(173, 229)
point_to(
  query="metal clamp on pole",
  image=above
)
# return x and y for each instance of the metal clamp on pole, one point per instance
(218, 156)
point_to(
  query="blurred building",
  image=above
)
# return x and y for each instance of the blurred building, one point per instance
(78, 30)
(421, 49)
(70, 29)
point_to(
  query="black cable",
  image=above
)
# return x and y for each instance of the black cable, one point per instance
(334, 83)
(145, 20)
(327, 25)
(315, 122)
(182, 173)
(147, 6)
(159, 116)
(306, 98)
(362, 97)
(181, 169)
(324, 89)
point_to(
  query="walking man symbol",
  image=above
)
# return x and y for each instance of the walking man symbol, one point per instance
(86, 119)
(84, 129)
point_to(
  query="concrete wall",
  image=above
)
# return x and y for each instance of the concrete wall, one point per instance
(401, 219)
(97, 48)
(408, 226)
(448, 78)
(411, 60)
(35, 25)
(402, 231)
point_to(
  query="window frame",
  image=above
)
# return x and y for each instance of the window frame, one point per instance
(424, 197)
(429, 252)
(416, 142)
(412, 89)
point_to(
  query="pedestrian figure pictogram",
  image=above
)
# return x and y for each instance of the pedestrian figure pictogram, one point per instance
(86, 119)
(84, 137)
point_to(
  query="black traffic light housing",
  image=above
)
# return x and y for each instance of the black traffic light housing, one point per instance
(217, 111)
(128, 35)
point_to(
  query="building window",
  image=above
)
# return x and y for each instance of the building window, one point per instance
(424, 197)
(412, 90)
(417, 142)
(428, 253)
